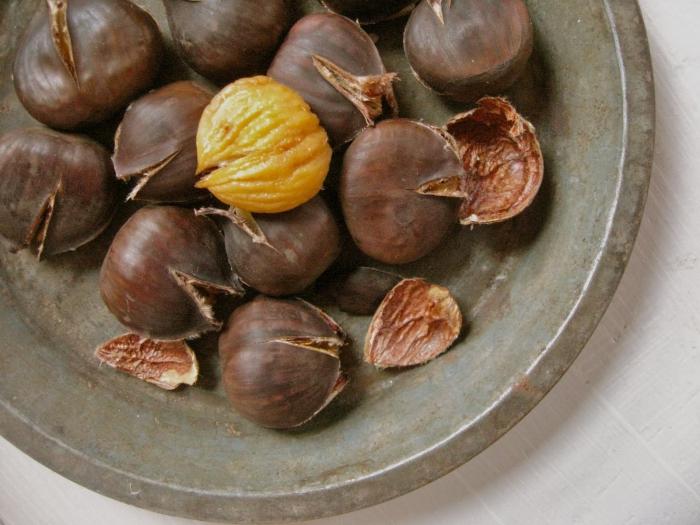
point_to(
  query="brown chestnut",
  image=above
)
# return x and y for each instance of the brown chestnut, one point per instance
(57, 191)
(225, 40)
(369, 11)
(155, 143)
(386, 170)
(163, 271)
(280, 361)
(361, 291)
(465, 49)
(335, 66)
(81, 61)
(283, 253)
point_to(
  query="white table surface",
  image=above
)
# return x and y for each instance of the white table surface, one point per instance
(618, 439)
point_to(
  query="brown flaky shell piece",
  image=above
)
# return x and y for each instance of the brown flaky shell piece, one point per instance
(502, 158)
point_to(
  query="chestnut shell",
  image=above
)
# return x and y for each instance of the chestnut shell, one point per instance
(161, 272)
(383, 170)
(227, 39)
(117, 49)
(57, 191)
(273, 383)
(480, 47)
(368, 11)
(156, 143)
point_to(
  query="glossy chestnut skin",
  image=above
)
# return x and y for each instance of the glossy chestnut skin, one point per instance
(155, 143)
(226, 40)
(273, 383)
(57, 191)
(382, 171)
(368, 11)
(482, 47)
(303, 243)
(160, 274)
(117, 49)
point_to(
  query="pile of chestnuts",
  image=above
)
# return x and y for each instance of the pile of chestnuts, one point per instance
(234, 226)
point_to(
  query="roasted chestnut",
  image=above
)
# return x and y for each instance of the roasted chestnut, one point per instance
(283, 253)
(80, 61)
(331, 62)
(280, 361)
(225, 40)
(465, 49)
(57, 191)
(369, 11)
(389, 190)
(155, 143)
(163, 271)
(361, 291)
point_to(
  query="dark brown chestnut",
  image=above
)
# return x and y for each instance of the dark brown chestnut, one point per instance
(390, 186)
(333, 63)
(155, 143)
(361, 291)
(81, 61)
(280, 361)
(226, 40)
(283, 253)
(465, 49)
(57, 191)
(369, 11)
(163, 271)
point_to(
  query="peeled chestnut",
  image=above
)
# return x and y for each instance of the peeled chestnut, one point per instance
(331, 62)
(155, 143)
(465, 49)
(163, 272)
(280, 361)
(227, 39)
(283, 253)
(57, 191)
(390, 190)
(368, 11)
(80, 61)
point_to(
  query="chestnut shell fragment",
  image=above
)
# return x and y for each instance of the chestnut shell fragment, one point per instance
(80, 61)
(280, 362)
(465, 49)
(57, 191)
(382, 191)
(502, 158)
(368, 11)
(162, 273)
(156, 143)
(335, 66)
(362, 291)
(227, 39)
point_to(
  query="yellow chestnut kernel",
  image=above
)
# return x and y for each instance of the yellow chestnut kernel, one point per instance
(260, 148)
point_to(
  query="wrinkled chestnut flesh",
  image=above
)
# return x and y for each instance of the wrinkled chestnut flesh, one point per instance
(465, 49)
(280, 361)
(391, 209)
(57, 191)
(335, 66)
(81, 61)
(166, 364)
(502, 159)
(155, 144)
(369, 11)
(163, 272)
(226, 40)
(416, 322)
(362, 291)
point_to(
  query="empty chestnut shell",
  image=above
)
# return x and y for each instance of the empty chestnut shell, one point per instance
(80, 61)
(368, 11)
(163, 271)
(225, 40)
(57, 191)
(465, 49)
(156, 143)
(280, 361)
(361, 291)
(283, 253)
(334, 65)
(386, 190)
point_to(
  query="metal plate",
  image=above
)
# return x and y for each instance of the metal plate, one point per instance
(532, 290)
